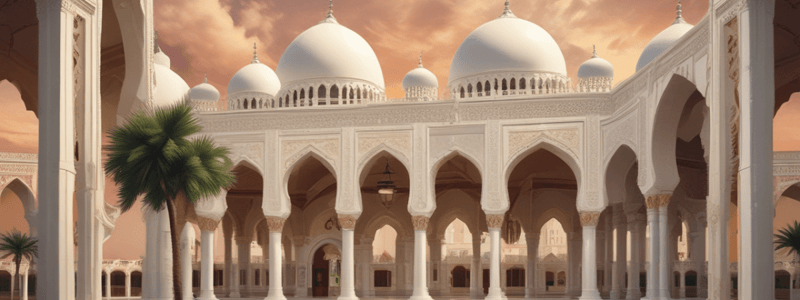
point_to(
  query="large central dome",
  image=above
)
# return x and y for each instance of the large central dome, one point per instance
(507, 44)
(329, 50)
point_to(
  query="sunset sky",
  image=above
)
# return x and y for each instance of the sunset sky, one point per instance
(216, 37)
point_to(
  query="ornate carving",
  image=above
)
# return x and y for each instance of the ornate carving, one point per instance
(275, 224)
(207, 224)
(400, 141)
(494, 221)
(657, 201)
(254, 151)
(328, 147)
(347, 199)
(19, 157)
(442, 145)
(518, 140)
(420, 222)
(590, 218)
(493, 166)
(624, 131)
(779, 185)
(347, 221)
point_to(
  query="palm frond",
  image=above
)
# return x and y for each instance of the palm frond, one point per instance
(788, 239)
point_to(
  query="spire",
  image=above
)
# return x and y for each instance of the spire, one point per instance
(255, 54)
(205, 77)
(420, 60)
(507, 12)
(679, 17)
(594, 51)
(330, 18)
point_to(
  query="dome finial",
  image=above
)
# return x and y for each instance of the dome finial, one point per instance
(594, 51)
(679, 17)
(205, 77)
(507, 12)
(420, 60)
(255, 54)
(330, 18)
(156, 48)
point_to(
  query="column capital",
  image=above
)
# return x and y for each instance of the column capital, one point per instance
(207, 224)
(275, 224)
(347, 221)
(657, 201)
(243, 240)
(420, 222)
(589, 218)
(494, 221)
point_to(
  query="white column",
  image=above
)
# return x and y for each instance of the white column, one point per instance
(663, 259)
(186, 243)
(108, 283)
(243, 249)
(366, 250)
(24, 291)
(620, 261)
(127, 284)
(532, 241)
(348, 287)
(609, 255)
(756, 268)
(476, 286)
(207, 228)
(652, 269)
(494, 223)
(231, 272)
(589, 287)
(56, 169)
(275, 225)
(633, 266)
(420, 240)
(13, 280)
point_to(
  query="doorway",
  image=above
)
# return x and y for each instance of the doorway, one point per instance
(485, 281)
(320, 274)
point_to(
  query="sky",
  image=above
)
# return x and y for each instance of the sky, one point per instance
(215, 37)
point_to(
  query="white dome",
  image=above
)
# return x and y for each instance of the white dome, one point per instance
(596, 67)
(420, 77)
(254, 78)
(507, 44)
(204, 92)
(326, 51)
(170, 88)
(662, 41)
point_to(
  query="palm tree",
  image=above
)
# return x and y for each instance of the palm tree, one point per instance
(152, 156)
(19, 246)
(789, 238)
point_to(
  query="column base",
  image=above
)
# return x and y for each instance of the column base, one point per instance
(475, 294)
(207, 295)
(496, 295)
(590, 295)
(423, 297)
(633, 294)
(275, 294)
(614, 294)
(234, 295)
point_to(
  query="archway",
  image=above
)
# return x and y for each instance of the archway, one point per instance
(117, 283)
(783, 282)
(384, 183)
(690, 281)
(136, 284)
(460, 277)
(5, 283)
(325, 270)
(552, 254)
(241, 218)
(17, 207)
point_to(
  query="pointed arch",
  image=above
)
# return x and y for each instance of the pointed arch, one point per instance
(547, 144)
(376, 221)
(376, 153)
(25, 193)
(309, 152)
(244, 160)
(615, 171)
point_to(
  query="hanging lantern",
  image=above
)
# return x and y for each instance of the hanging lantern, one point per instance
(386, 187)
(512, 231)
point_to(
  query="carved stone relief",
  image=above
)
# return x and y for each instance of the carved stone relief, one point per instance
(420, 222)
(347, 221)
(253, 151)
(518, 141)
(494, 221)
(275, 224)
(590, 218)
(657, 201)
(369, 143)
(291, 150)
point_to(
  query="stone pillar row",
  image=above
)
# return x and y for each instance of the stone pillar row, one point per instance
(207, 228)
(589, 222)
(658, 273)
(420, 291)
(275, 225)
(494, 222)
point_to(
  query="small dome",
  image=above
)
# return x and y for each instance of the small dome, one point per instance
(204, 92)
(596, 67)
(329, 50)
(420, 77)
(254, 78)
(663, 40)
(170, 88)
(507, 44)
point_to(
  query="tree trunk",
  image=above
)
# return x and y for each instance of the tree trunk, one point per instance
(176, 258)
(19, 279)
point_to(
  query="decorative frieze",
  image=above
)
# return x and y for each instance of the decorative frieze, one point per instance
(494, 221)
(207, 224)
(399, 141)
(420, 222)
(347, 221)
(589, 218)
(656, 201)
(520, 140)
(275, 224)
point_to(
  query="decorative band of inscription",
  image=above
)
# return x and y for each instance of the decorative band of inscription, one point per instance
(420, 222)
(275, 224)
(590, 218)
(656, 201)
(494, 221)
(347, 221)
(207, 224)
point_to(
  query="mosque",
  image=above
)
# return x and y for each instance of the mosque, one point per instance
(515, 182)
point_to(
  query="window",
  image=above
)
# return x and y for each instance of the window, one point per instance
(515, 277)
(383, 278)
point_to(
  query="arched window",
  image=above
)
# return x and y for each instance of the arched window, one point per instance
(469, 90)
(522, 83)
(462, 92)
(479, 87)
(295, 95)
(515, 277)
(311, 93)
(260, 103)
(253, 103)
(460, 277)
(245, 103)
(513, 84)
(344, 93)
(488, 88)
(352, 96)
(302, 94)
(321, 91)
(334, 91)
(358, 94)
(505, 85)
